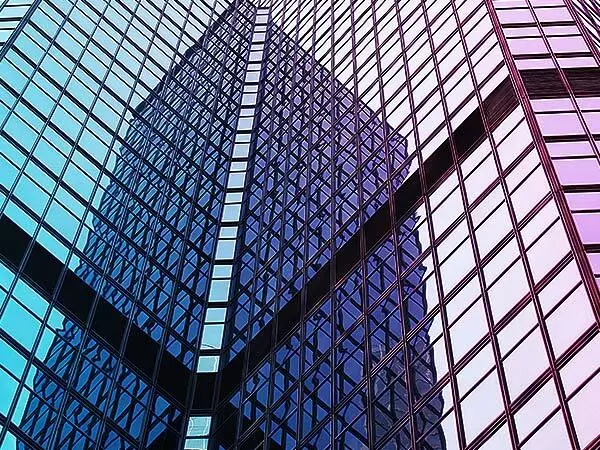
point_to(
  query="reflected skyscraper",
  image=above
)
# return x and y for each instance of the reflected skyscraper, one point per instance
(287, 225)
(297, 134)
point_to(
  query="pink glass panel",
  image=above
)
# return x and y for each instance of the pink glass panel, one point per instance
(577, 171)
(552, 104)
(553, 14)
(515, 16)
(581, 366)
(551, 436)
(523, 64)
(547, 2)
(511, 3)
(594, 259)
(560, 30)
(522, 32)
(568, 44)
(588, 103)
(557, 149)
(588, 226)
(592, 119)
(575, 311)
(535, 410)
(559, 124)
(580, 61)
(527, 46)
(582, 201)
(585, 410)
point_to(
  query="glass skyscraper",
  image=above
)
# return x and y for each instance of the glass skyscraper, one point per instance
(299, 225)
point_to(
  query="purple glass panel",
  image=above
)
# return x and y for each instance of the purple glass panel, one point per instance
(588, 226)
(594, 259)
(581, 201)
(577, 171)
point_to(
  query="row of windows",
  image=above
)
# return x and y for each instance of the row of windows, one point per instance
(12, 13)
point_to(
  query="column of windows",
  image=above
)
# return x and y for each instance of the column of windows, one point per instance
(220, 282)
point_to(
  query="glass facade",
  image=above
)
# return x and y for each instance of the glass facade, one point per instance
(299, 225)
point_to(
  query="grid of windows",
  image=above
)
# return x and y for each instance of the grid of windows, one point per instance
(566, 108)
(489, 242)
(114, 195)
(557, 65)
(340, 224)
(12, 12)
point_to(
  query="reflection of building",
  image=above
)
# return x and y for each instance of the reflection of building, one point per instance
(317, 156)
(326, 228)
(147, 256)
(318, 167)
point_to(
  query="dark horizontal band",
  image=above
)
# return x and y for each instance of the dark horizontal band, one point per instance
(498, 105)
(76, 300)
(546, 83)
